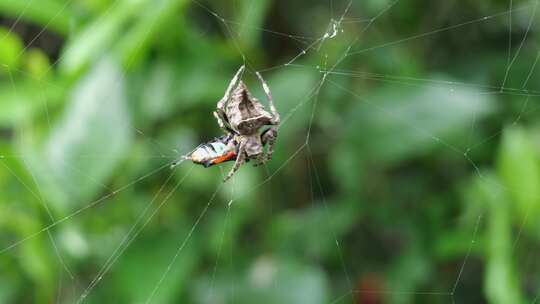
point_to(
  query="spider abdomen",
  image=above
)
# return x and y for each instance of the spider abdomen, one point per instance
(253, 124)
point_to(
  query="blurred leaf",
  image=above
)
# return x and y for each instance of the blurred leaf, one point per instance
(135, 43)
(250, 21)
(97, 124)
(501, 283)
(37, 63)
(156, 97)
(11, 48)
(35, 256)
(408, 271)
(54, 15)
(97, 37)
(518, 168)
(137, 277)
(393, 124)
(401, 230)
(96, 6)
(342, 160)
(312, 232)
(292, 91)
(280, 281)
(73, 241)
(269, 281)
(455, 244)
(168, 89)
(24, 100)
(7, 290)
(39, 264)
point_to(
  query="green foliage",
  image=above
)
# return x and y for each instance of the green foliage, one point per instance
(94, 133)
(10, 48)
(405, 175)
(520, 172)
(418, 116)
(51, 14)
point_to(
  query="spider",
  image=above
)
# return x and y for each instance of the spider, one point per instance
(242, 116)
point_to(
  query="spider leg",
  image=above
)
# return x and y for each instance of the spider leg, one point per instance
(219, 120)
(239, 161)
(234, 80)
(275, 114)
(222, 121)
(269, 137)
(260, 160)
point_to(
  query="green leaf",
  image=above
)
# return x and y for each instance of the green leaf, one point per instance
(280, 281)
(291, 92)
(35, 255)
(24, 100)
(399, 122)
(93, 135)
(313, 231)
(7, 290)
(137, 283)
(270, 281)
(136, 42)
(55, 15)
(37, 63)
(96, 38)
(250, 21)
(517, 165)
(11, 48)
(410, 270)
(38, 262)
(501, 283)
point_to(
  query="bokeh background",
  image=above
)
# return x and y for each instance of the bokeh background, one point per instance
(406, 173)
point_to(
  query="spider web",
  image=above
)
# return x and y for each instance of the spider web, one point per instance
(344, 29)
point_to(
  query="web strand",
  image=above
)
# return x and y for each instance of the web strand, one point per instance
(308, 45)
(134, 232)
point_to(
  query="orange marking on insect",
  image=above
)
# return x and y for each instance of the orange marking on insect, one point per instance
(224, 158)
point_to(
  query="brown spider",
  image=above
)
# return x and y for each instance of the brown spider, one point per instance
(242, 115)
